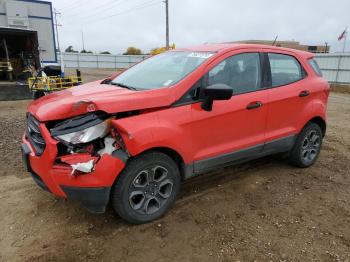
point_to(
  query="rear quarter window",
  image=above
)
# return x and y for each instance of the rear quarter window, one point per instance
(315, 67)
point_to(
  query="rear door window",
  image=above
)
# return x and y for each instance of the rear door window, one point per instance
(285, 69)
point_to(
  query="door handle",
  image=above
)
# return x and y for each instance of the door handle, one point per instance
(254, 105)
(304, 93)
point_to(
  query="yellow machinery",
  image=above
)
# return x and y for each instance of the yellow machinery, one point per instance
(43, 84)
(5, 66)
(53, 83)
(157, 51)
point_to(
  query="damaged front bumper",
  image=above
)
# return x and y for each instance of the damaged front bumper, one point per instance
(91, 186)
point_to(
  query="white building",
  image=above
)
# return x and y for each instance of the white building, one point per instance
(29, 24)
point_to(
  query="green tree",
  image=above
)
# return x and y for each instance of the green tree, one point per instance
(70, 49)
(105, 53)
(85, 52)
(133, 51)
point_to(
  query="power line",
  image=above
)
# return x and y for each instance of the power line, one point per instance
(144, 5)
(134, 8)
(73, 5)
(99, 8)
(137, 7)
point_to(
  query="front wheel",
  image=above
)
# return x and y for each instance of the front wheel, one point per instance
(147, 188)
(307, 147)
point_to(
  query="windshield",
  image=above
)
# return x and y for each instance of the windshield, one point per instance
(162, 70)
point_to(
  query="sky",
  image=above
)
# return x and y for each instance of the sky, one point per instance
(113, 25)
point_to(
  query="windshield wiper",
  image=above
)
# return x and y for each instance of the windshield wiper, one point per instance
(124, 86)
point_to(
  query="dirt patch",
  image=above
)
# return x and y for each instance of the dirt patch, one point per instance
(344, 89)
(262, 210)
(89, 74)
(12, 119)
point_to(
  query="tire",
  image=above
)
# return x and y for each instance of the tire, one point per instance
(307, 146)
(147, 188)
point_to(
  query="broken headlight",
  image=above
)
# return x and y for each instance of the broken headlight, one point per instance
(81, 129)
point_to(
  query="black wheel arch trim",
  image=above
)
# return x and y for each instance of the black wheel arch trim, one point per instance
(321, 122)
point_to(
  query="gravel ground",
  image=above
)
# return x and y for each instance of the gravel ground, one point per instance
(89, 74)
(263, 210)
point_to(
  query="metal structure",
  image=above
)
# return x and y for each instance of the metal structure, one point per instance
(5, 66)
(53, 83)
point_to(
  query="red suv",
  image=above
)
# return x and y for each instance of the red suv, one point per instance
(132, 138)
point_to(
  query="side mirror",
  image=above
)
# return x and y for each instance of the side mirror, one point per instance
(215, 92)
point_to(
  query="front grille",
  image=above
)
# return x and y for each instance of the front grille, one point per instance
(34, 135)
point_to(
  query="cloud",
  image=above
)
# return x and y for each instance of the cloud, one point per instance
(114, 25)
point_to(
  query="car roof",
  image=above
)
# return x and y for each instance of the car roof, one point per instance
(218, 48)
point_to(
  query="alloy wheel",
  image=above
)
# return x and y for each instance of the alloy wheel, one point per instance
(310, 146)
(150, 190)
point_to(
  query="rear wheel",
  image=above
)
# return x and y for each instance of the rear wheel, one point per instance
(307, 147)
(147, 188)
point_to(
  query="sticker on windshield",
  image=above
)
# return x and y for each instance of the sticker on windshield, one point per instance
(168, 82)
(200, 55)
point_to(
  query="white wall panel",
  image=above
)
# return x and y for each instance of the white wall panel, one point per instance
(77, 60)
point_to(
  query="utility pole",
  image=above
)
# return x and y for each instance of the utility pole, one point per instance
(82, 39)
(56, 27)
(58, 42)
(167, 23)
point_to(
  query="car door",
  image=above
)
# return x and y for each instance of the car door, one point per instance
(234, 129)
(287, 98)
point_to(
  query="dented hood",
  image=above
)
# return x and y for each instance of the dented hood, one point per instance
(94, 97)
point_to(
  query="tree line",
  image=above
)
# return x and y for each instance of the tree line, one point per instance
(131, 50)
(70, 49)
